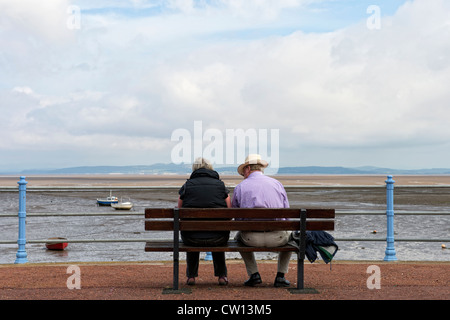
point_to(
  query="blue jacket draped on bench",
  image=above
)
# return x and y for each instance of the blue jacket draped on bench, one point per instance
(316, 241)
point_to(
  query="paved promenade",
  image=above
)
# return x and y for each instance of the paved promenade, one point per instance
(146, 281)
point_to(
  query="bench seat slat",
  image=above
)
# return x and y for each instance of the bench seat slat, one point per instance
(233, 246)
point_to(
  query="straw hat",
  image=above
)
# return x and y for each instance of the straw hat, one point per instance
(252, 159)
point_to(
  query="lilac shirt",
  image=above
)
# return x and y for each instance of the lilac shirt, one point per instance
(259, 191)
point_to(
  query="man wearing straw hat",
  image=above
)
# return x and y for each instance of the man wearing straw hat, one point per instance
(260, 191)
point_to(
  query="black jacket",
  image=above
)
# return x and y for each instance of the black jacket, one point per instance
(204, 189)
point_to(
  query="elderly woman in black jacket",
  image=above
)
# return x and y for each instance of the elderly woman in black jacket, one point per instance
(204, 189)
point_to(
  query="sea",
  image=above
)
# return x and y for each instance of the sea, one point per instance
(59, 212)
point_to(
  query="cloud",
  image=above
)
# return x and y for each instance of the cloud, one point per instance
(352, 87)
(44, 20)
(266, 9)
(129, 80)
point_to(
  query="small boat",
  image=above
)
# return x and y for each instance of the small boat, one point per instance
(108, 201)
(122, 205)
(56, 245)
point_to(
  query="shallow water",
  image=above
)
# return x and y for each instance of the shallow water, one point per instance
(132, 227)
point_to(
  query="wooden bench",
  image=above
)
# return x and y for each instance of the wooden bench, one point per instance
(175, 220)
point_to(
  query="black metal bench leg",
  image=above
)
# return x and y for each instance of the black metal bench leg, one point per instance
(301, 259)
(176, 269)
(176, 256)
(176, 251)
(300, 271)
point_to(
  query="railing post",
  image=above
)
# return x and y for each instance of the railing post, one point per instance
(390, 250)
(21, 255)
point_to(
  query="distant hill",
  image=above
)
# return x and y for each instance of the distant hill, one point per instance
(358, 170)
(158, 168)
(319, 170)
(161, 168)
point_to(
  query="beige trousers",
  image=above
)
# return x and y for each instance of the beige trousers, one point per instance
(264, 239)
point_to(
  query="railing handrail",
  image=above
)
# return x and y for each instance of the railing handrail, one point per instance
(337, 213)
(143, 188)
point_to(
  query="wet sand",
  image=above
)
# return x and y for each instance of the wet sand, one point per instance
(178, 180)
(314, 192)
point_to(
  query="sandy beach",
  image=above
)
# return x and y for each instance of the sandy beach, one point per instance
(178, 180)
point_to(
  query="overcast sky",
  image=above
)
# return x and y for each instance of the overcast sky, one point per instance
(345, 83)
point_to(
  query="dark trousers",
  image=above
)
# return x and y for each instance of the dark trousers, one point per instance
(192, 258)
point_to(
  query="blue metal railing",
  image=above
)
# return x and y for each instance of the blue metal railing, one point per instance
(21, 256)
(390, 249)
(390, 253)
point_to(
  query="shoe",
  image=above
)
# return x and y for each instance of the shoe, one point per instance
(223, 281)
(254, 280)
(190, 281)
(281, 282)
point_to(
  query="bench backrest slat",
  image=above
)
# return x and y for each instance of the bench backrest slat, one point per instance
(261, 213)
(238, 225)
(162, 219)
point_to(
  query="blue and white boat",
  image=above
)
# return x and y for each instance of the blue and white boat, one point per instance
(108, 201)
